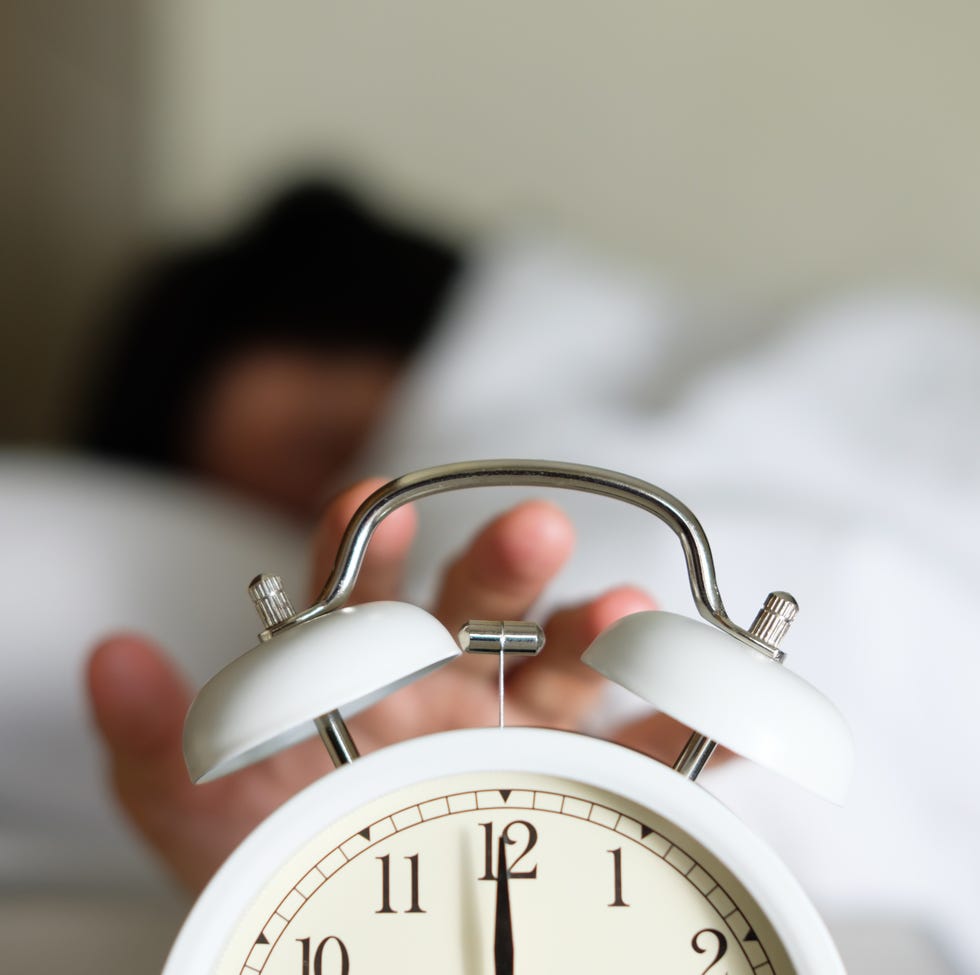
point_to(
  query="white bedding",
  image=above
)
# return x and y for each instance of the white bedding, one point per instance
(90, 549)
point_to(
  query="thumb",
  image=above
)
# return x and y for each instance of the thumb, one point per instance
(138, 701)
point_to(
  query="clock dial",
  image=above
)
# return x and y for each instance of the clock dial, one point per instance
(493, 873)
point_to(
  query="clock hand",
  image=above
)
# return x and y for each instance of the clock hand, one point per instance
(503, 936)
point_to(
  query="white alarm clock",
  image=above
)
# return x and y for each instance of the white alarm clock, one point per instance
(499, 850)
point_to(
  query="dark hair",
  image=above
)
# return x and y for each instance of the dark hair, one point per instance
(316, 270)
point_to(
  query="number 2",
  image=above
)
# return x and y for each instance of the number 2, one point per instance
(722, 943)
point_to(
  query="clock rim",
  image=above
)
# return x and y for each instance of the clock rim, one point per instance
(543, 751)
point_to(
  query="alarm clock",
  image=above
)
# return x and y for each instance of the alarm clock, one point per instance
(506, 849)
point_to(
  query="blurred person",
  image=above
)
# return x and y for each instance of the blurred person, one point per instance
(263, 362)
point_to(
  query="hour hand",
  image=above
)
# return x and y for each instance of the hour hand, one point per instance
(503, 935)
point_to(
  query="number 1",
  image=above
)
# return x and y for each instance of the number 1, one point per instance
(617, 900)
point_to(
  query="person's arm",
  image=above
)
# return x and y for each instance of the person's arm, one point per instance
(139, 699)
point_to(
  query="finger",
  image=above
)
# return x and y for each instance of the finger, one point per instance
(380, 576)
(507, 566)
(556, 688)
(139, 701)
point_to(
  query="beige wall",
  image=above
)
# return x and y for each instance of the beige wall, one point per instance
(70, 181)
(770, 149)
(773, 147)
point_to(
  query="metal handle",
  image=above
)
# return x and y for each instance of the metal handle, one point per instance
(494, 473)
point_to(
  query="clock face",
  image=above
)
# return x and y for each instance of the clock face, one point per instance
(611, 862)
(500, 872)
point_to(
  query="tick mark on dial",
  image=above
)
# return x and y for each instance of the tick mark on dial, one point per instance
(505, 794)
(261, 939)
(366, 832)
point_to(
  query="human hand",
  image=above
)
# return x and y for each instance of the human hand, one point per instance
(139, 699)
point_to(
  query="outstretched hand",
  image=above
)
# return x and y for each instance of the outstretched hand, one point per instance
(139, 699)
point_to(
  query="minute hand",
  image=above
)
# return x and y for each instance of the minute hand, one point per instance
(503, 936)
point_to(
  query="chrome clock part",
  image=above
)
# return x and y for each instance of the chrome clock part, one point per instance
(770, 626)
(336, 666)
(501, 637)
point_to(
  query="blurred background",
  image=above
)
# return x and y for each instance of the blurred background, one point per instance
(759, 152)
(757, 157)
